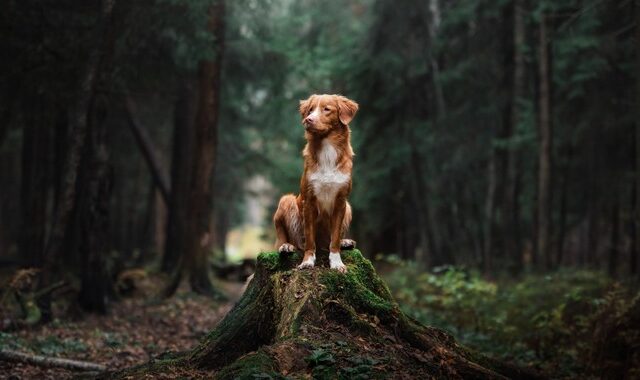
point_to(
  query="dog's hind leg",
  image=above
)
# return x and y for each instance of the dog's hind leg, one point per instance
(288, 223)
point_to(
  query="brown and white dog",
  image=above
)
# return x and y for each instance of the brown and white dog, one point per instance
(320, 215)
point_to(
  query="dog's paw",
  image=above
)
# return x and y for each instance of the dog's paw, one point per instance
(309, 262)
(335, 262)
(287, 248)
(347, 244)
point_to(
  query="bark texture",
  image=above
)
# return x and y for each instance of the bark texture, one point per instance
(320, 322)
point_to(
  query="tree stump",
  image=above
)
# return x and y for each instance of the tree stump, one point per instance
(325, 324)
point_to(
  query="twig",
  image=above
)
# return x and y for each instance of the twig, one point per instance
(47, 361)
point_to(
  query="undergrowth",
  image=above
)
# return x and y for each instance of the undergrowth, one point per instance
(570, 323)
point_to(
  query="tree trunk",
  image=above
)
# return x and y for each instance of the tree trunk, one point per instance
(67, 200)
(636, 253)
(490, 214)
(513, 244)
(60, 143)
(206, 124)
(434, 26)
(545, 147)
(35, 147)
(614, 242)
(93, 215)
(180, 178)
(428, 253)
(301, 323)
(562, 224)
(194, 259)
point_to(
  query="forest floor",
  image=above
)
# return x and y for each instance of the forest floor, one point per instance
(134, 331)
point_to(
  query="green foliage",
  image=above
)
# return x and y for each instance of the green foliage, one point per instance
(544, 320)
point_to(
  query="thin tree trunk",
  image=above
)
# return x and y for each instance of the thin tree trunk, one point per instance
(148, 149)
(80, 121)
(614, 242)
(61, 141)
(562, 227)
(206, 125)
(159, 224)
(500, 186)
(434, 26)
(428, 254)
(514, 238)
(93, 216)
(544, 154)
(33, 192)
(183, 137)
(147, 237)
(635, 233)
(490, 215)
(636, 253)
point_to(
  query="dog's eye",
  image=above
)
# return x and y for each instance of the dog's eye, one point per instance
(327, 109)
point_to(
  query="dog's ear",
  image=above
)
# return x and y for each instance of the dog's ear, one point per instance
(347, 109)
(305, 106)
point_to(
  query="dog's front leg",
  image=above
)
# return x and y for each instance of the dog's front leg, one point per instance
(340, 207)
(310, 211)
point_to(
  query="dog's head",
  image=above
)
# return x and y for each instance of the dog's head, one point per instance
(322, 113)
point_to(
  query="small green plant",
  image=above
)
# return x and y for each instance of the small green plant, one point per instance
(322, 362)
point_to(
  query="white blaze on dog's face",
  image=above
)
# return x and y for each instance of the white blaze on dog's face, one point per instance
(321, 113)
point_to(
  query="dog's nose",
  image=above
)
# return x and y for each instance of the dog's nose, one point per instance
(308, 120)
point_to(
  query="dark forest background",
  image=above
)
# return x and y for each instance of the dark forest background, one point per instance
(497, 137)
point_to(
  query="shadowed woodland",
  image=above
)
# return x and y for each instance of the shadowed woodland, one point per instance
(496, 189)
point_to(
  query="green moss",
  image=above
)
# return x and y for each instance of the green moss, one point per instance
(275, 261)
(269, 260)
(360, 286)
(365, 273)
(254, 365)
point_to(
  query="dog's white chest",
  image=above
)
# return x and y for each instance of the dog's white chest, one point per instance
(327, 180)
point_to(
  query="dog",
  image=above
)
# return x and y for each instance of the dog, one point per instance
(320, 215)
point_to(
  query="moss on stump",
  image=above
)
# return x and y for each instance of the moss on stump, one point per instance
(298, 323)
